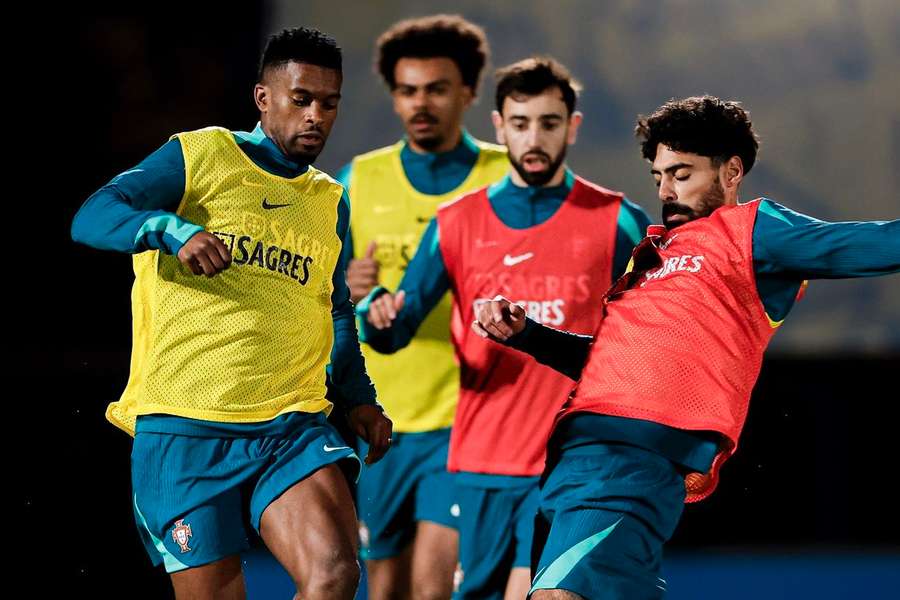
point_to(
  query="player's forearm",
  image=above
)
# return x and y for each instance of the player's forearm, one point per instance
(560, 350)
(108, 222)
(851, 250)
(424, 283)
(862, 250)
(348, 369)
(393, 338)
(785, 242)
(136, 210)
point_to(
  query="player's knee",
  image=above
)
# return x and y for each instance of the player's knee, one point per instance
(336, 578)
(432, 589)
(555, 595)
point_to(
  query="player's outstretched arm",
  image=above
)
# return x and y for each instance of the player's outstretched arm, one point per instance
(347, 369)
(505, 322)
(135, 211)
(787, 243)
(388, 321)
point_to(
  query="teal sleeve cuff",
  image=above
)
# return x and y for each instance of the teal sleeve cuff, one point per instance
(167, 233)
(366, 331)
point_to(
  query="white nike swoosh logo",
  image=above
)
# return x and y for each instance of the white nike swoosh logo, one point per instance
(380, 210)
(249, 183)
(328, 448)
(510, 261)
(666, 243)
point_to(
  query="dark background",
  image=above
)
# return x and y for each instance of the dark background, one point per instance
(818, 460)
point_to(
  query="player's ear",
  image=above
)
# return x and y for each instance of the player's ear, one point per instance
(261, 97)
(468, 96)
(497, 120)
(574, 123)
(732, 172)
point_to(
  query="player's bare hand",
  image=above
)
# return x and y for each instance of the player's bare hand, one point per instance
(498, 318)
(385, 308)
(205, 254)
(372, 425)
(362, 274)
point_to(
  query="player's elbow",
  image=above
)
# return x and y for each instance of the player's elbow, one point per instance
(384, 346)
(89, 225)
(84, 231)
(81, 231)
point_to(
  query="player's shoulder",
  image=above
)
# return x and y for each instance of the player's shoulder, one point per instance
(767, 206)
(211, 131)
(463, 202)
(324, 179)
(490, 150)
(756, 208)
(633, 210)
(378, 154)
(771, 214)
(323, 185)
(599, 192)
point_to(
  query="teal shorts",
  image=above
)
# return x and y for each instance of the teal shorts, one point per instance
(410, 484)
(496, 527)
(193, 494)
(605, 512)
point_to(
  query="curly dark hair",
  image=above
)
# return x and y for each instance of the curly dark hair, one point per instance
(532, 76)
(703, 125)
(302, 45)
(449, 36)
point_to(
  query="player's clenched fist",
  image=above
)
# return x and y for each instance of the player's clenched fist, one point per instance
(205, 254)
(362, 274)
(498, 318)
(372, 425)
(384, 309)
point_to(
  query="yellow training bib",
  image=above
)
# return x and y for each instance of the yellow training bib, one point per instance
(252, 342)
(418, 386)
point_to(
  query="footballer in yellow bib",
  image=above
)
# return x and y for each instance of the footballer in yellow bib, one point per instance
(253, 342)
(431, 66)
(240, 307)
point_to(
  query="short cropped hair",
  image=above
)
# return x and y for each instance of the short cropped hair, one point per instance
(302, 45)
(703, 125)
(437, 36)
(533, 76)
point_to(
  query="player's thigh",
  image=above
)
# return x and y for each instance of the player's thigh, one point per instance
(434, 558)
(311, 528)
(518, 585)
(386, 497)
(220, 580)
(525, 515)
(486, 541)
(436, 498)
(186, 517)
(389, 578)
(555, 595)
(608, 530)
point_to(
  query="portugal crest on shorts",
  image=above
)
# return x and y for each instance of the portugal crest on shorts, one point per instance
(181, 533)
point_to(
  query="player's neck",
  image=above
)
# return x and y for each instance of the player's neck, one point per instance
(555, 181)
(446, 146)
